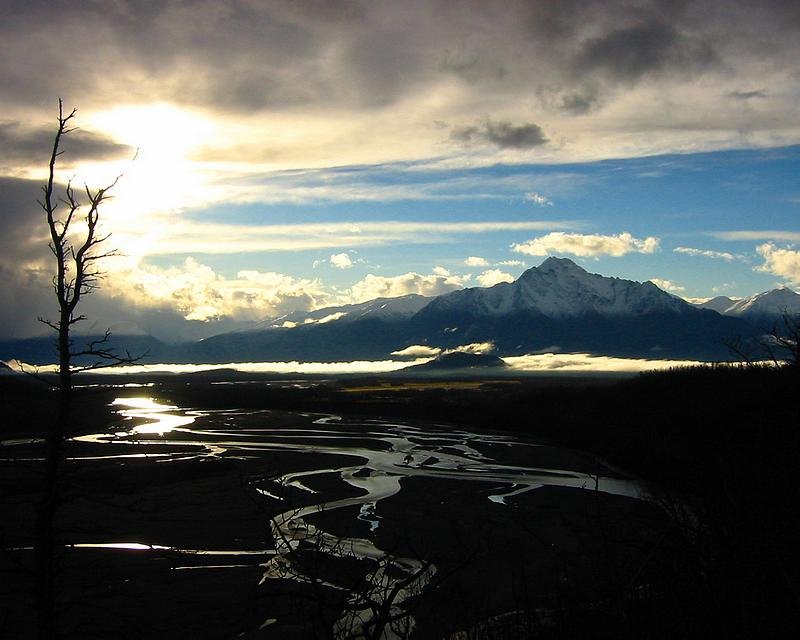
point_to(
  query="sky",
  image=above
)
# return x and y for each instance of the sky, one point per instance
(289, 155)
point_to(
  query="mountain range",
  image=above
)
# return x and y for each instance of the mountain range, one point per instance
(557, 306)
(762, 309)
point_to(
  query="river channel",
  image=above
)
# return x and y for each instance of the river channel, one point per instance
(349, 504)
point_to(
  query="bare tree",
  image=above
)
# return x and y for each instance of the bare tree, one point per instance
(75, 241)
(779, 344)
(782, 341)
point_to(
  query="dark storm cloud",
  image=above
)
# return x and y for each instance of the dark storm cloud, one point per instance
(231, 53)
(472, 67)
(747, 95)
(629, 54)
(26, 145)
(578, 69)
(242, 56)
(513, 136)
(578, 103)
(503, 134)
(24, 281)
(23, 232)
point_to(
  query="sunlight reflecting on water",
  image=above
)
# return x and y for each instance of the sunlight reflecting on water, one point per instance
(159, 421)
(128, 546)
(353, 466)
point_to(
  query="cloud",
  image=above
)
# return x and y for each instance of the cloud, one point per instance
(306, 368)
(706, 253)
(476, 261)
(586, 362)
(538, 198)
(503, 134)
(725, 286)
(361, 82)
(629, 53)
(781, 235)
(435, 180)
(332, 317)
(197, 292)
(667, 285)
(418, 351)
(748, 95)
(170, 237)
(477, 348)
(579, 103)
(26, 146)
(510, 263)
(492, 277)
(23, 230)
(586, 245)
(472, 67)
(185, 302)
(783, 262)
(341, 261)
(26, 264)
(319, 102)
(373, 286)
(441, 271)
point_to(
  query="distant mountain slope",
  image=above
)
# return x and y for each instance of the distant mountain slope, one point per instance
(363, 339)
(380, 308)
(560, 306)
(769, 303)
(460, 360)
(720, 304)
(557, 306)
(43, 351)
(559, 288)
(762, 309)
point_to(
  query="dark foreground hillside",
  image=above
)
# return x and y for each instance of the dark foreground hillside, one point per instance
(718, 448)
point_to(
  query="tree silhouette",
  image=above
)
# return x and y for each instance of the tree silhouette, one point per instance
(779, 344)
(75, 242)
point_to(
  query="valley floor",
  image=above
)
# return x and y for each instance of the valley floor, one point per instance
(712, 554)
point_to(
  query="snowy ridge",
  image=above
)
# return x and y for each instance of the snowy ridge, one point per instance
(559, 288)
(769, 303)
(386, 309)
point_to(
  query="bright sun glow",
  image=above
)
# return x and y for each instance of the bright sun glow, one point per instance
(161, 179)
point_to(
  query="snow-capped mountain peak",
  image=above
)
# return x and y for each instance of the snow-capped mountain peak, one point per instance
(559, 265)
(559, 288)
(768, 303)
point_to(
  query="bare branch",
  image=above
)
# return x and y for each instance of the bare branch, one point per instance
(34, 373)
(50, 324)
(778, 344)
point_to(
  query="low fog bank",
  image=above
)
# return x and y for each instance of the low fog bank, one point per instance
(517, 365)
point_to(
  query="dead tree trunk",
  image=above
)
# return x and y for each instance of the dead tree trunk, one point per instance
(77, 273)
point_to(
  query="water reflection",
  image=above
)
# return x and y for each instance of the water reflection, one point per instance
(371, 457)
(158, 417)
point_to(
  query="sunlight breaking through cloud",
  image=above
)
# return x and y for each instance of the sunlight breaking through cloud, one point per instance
(199, 293)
